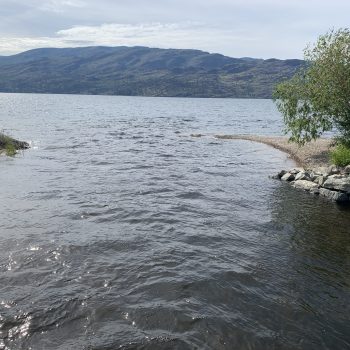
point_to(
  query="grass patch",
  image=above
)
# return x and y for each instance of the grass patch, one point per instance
(341, 155)
(10, 149)
(8, 144)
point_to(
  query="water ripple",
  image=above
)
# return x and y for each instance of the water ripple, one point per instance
(120, 231)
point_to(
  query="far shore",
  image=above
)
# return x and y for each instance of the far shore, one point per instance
(312, 154)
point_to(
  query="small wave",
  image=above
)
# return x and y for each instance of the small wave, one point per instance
(156, 191)
(191, 195)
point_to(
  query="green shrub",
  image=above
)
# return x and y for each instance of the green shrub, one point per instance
(341, 155)
(8, 144)
(10, 149)
(316, 99)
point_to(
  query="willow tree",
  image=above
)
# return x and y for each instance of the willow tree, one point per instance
(317, 99)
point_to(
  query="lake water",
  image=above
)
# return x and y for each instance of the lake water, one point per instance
(120, 231)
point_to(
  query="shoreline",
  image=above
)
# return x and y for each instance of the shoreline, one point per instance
(313, 154)
(320, 178)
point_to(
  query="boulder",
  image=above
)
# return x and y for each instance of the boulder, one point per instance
(338, 182)
(333, 169)
(336, 196)
(315, 191)
(320, 180)
(288, 177)
(305, 185)
(347, 169)
(302, 175)
(324, 171)
(280, 174)
(312, 175)
(295, 171)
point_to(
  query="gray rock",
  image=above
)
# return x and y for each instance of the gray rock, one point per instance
(303, 175)
(281, 173)
(315, 191)
(320, 180)
(312, 175)
(324, 171)
(295, 171)
(333, 169)
(338, 182)
(305, 185)
(288, 177)
(347, 169)
(336, 196)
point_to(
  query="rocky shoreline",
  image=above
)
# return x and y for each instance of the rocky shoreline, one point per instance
(330, 182)
(315, 175)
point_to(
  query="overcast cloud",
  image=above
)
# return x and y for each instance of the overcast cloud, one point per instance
(237, 28)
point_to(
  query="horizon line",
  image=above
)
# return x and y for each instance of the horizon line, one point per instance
(148, 47)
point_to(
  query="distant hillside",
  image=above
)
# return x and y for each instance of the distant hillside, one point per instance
(141, 71)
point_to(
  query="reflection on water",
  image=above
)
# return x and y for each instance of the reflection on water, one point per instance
(120, 232)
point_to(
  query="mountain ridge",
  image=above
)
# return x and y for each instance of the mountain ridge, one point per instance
(142, 71)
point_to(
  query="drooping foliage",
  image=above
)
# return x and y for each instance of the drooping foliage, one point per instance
(317, 98)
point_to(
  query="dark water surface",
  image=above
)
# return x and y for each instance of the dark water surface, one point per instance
(119, 231)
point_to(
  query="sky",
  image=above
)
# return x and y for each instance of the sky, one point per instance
(236, 28)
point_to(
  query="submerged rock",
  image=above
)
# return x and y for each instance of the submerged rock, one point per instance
(339, 197)
(315, 190)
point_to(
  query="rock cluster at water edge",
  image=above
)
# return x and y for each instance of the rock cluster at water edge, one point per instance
(331, 182)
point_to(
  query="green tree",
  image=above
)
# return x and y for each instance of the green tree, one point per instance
(317, 98)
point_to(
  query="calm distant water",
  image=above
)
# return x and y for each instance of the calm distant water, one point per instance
(120, 231)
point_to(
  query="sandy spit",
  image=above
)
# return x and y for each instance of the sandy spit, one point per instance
(313, 154)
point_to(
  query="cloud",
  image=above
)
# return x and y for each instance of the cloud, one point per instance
(169, 35)
(151, 34)
(257, 28)
(59, 6)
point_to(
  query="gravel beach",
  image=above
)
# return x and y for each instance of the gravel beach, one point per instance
(313, 154)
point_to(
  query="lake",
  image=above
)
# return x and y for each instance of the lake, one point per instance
(121, 231)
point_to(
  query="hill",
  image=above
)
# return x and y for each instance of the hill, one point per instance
(142, 71)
